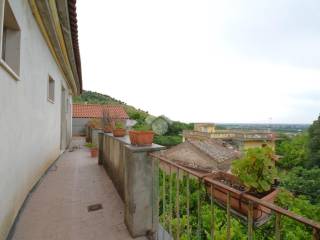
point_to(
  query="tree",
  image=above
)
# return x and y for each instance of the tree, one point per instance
(301, 181)
(293, 151)
(314, 144)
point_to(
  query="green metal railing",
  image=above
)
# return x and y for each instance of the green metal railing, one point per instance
(189, 210)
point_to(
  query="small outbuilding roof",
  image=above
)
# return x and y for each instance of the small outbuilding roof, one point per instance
(209, 155)
(96, 111)
(216, 149)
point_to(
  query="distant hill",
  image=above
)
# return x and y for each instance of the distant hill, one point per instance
(98, 98)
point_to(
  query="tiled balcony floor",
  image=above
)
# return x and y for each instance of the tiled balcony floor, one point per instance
(57, 209)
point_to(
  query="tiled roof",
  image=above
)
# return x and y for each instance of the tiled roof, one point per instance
(216, 149)
(74, 35)
(95, 111)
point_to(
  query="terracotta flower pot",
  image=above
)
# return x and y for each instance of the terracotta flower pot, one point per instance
(107, 129)
(94, 152)
(119, 132)
(141, 138)
(237, 202)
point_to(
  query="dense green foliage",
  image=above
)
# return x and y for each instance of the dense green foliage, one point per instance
(297, 153)
(167, 141)
(176, 127)
(95, 98)
(301, 181)
(293, 151)
(256, 169)
(291, 230)
(174, 134)
(314, 144)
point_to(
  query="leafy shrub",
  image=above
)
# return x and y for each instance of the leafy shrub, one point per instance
(142, 127)
(176, 128)
(293, 151)
(256, 169)
(303, 181)
(314, 144)
(119, 125)
(90, 145)
(167, 140)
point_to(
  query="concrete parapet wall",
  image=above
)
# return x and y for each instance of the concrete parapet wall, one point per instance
(135, 176)
(94, 136)
(113, 154)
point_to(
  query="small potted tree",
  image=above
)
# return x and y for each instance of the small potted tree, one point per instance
(141, 135)
(93, 149)
(119, 129)
(254, 174)
(106, 121)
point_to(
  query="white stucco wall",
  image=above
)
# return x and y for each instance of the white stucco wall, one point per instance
(29, 123)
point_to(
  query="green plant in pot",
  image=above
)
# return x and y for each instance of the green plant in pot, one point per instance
(256, 170)
(253, 174)
(93, 149)
(141, 135)
(119, 129)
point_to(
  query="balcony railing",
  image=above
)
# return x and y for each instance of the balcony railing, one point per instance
(188, 209)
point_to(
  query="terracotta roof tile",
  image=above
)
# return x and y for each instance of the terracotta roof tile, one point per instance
(95, 111)
(216, 149)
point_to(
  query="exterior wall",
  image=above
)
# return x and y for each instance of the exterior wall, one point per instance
(79, 126)
(30, 125)
(254, 144)
(204, 127)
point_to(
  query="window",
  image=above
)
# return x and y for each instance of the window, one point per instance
(10, 49)
(51, 90)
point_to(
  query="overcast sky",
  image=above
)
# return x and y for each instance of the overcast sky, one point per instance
(205, 61)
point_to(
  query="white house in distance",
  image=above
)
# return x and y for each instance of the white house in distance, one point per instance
(40, 70)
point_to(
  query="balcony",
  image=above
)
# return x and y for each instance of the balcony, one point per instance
(143, 196)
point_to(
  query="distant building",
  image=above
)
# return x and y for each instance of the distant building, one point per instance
(83, 113)
(205, 127)
(205, 155)
(241, 139)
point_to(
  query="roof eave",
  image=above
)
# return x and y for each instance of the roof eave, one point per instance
(61, 37)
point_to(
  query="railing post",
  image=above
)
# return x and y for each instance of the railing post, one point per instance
(228, 216)
(278, 226)
(141, 191)
(315, 234)
(100, 157)
(250, 221)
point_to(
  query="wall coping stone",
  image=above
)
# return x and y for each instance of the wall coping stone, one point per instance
(126, 140)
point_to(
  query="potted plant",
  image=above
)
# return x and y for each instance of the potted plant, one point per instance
(119, 129)
(106, 121)
(95, 123)
(141, 135)
(93, 149)
(254, 174)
